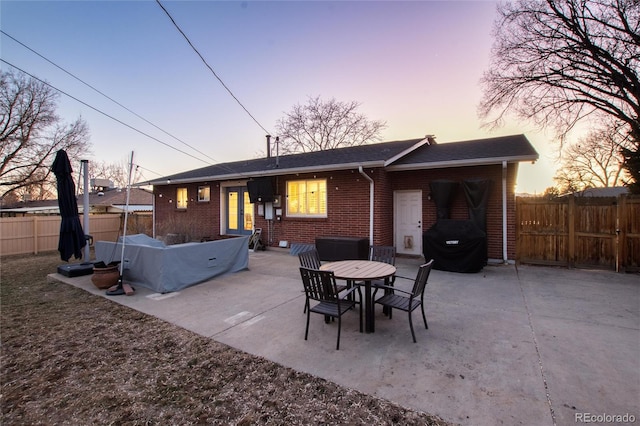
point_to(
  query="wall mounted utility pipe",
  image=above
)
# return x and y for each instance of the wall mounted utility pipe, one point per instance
(362, 172)
(504, 213)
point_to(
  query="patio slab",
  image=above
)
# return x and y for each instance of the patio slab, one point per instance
(525, 345)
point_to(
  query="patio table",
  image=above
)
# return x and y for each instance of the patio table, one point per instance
(362, 270)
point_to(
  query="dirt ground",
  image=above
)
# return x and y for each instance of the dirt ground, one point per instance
(69, 357)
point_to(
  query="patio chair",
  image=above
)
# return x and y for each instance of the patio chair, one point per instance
(311, 259)
(320, 286)
(408, 300)
(386, 254)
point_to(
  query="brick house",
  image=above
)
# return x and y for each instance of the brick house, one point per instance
(379, 191)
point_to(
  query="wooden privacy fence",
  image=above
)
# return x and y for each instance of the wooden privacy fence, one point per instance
(601, 232)
(35, 234)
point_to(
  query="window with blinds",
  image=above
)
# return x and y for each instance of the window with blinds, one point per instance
(307, 198)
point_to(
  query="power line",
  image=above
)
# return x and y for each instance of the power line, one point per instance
(211, 69)
(106, 96)
(138, 166)
(102, 112)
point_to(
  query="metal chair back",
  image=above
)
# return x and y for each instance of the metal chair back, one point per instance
(310, 259)
(319, 285)
(386, 254)
(421, 280)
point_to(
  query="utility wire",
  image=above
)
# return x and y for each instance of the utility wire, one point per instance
(138, 166)
(106, 96)
(103, 113)
(211, 69)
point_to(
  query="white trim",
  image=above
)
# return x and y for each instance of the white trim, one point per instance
(461, 163)
(275, 172)
(391, 160)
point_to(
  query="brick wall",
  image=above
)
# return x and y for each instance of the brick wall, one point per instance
(348, 206)
(199, 220)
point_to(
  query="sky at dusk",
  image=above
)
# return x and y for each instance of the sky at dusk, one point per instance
(415, 65)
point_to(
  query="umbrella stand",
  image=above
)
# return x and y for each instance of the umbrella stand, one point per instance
(122, 287)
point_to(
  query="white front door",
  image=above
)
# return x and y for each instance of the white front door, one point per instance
(407, 219)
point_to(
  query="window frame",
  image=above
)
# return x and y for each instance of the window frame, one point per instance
(208, 193)
(180, 199)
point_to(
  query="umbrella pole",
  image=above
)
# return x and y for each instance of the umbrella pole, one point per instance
(85, 211)
(121, 287)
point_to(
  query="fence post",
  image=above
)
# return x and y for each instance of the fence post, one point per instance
(35, 234)
(621, 227)
(571, 212)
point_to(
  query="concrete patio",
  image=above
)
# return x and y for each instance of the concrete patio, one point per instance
(525, 345)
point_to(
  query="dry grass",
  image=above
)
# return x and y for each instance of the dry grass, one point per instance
(69, 357)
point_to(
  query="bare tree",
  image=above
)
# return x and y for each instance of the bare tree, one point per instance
(321, 125)
(594, 161)
(559, 62)
(115, 172)
(551, 193)
(30, 135)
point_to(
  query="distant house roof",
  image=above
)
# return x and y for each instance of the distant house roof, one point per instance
(115, 199)
(613, 191)
(139, 199)
(399, 155)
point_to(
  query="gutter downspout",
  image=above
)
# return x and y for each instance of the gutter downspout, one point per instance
(153, 216)
(504, 213)
(370, 203)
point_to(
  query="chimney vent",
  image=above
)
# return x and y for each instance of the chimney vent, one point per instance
(268, 146)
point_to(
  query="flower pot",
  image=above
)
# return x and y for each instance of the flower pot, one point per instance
(106, 277)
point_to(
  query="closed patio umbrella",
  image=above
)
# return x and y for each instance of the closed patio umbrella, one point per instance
(72, 238)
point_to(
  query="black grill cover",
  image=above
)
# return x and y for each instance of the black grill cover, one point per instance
(442, 193)
(477, 193)
(455, 245)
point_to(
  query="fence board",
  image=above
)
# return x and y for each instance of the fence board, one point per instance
(35, 234)
(602, 232)
(543, 232)
(629, 242)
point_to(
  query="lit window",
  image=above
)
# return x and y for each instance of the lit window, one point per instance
(204, 193)
(181, 198)
(307, 198)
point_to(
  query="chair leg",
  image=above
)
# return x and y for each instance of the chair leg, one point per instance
(386, 310)
(411, 326)
(339, 328)
(424, 317)
(306, 331)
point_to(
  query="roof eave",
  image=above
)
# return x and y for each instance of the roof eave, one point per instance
(270, 172)
(463, 163)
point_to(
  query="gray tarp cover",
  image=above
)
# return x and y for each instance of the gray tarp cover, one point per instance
(152, 264)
